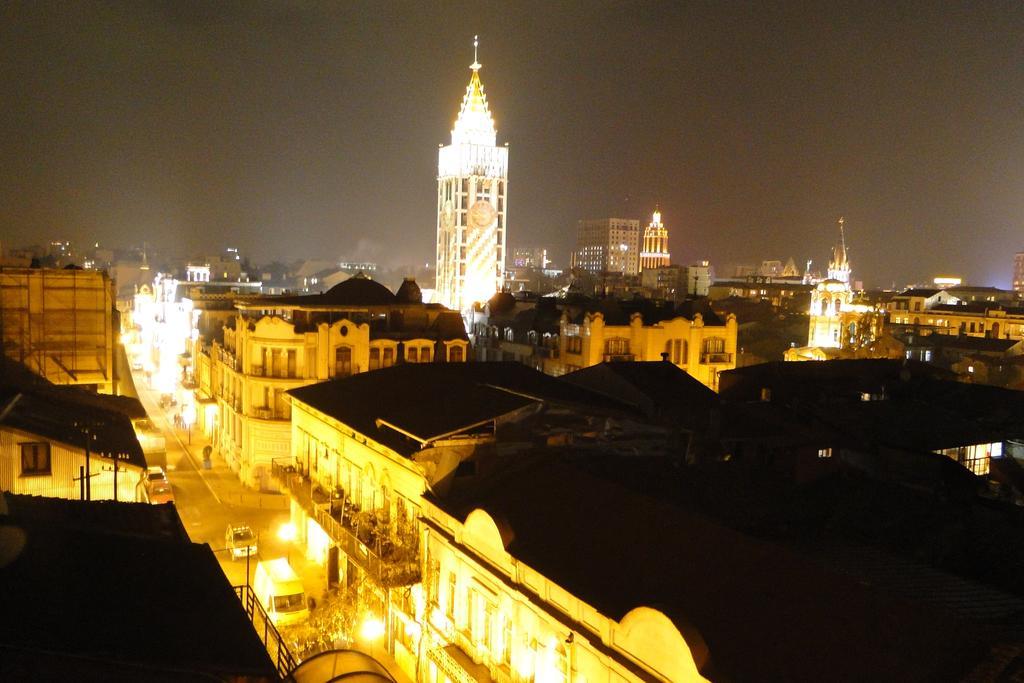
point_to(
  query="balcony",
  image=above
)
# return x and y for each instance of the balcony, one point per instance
(716, 358)
(618, 357)
(388, 557)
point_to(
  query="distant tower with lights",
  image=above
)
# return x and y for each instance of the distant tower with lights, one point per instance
(472, 204)
(655, 253)
(831, 300)
(839, 264)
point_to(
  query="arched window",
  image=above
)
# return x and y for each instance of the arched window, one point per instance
(455, 354)
(343, 361)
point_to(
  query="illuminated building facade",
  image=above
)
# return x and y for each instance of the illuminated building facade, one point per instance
(608, 245)
(701, 345)
(472, 205)
(655, 253)
(461, 606)
(839, 325)
(59, 323)
(1018, 271)
(274, 344)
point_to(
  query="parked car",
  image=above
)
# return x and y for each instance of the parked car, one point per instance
(280, 591)
(240, 541)
(158, 488)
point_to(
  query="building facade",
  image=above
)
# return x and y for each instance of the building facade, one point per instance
(655, 253)
(1018, 271)
(456, 604)
(472, 205)
(59, 323)
(608, 245)
(274, 344)
(701, 350)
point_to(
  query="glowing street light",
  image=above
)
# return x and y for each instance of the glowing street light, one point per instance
(286, 532)
(371, 629)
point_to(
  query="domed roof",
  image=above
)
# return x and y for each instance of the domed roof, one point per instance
(359, 290)
(409, 292)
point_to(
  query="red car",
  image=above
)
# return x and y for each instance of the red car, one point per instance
(157, 487)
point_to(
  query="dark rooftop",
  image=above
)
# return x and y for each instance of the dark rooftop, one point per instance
(124, 605)
(358, 290)
(655, 387)
(618, 549)
(64, 415)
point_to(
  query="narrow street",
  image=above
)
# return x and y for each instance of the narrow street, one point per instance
(209, 500)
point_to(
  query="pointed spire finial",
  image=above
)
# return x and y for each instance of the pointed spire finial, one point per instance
(475, 66)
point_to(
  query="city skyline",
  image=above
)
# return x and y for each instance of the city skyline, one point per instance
(290, 131)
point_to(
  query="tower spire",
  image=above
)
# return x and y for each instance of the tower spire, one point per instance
(475, 66)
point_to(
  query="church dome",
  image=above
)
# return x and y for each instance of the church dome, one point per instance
(409, 292)
(359, 290)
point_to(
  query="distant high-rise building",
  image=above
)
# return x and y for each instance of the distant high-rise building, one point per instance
(530, 257)
(1018, 271)
(655, 253)
(472, 196)
(608, 245)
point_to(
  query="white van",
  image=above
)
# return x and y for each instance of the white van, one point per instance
(280, 591)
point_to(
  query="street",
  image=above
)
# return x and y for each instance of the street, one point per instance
(204, 499)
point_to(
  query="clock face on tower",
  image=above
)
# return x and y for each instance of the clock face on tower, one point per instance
(481, 214)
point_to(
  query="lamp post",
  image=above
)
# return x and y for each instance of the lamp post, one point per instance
(287, 534)
(188, 416)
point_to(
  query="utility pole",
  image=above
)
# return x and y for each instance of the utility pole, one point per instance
(88, 476)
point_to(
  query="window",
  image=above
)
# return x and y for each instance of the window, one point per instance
(449, 603)
(506, 641)
(35, 459)
(343, 361)
(617, 346)
(455, 354)
(374, 359)
(412, 354)
(824, 453)
(574, 345)
(389, 358)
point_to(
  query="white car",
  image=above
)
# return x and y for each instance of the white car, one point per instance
(240, 541)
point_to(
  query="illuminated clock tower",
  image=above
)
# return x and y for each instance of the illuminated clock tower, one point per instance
(472, 204)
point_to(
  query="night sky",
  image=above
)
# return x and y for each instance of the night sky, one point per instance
(301, 129)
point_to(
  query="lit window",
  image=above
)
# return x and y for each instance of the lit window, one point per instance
(824, 453)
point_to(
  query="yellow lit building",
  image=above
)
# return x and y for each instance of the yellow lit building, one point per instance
(655, 253)
(59, 323)
(274, 344)
(368, 478)
(700, 344)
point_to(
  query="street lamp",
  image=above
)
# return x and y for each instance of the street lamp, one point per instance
(286, 532)
(188, 416)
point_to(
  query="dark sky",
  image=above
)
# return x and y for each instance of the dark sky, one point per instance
(295, 129)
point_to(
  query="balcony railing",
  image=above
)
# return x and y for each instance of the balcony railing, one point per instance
(715, 358)
(390, 560)
(618, 357)
(265, 629)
